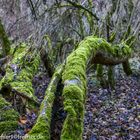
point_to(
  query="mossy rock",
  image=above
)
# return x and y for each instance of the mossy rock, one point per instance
(8, 117)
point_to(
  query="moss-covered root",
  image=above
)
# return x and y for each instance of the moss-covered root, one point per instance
(20, 71)
(8, 117)
(74, 79)
(41, 130)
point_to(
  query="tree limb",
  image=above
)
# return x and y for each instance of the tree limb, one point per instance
(81, 7)
(106, 59)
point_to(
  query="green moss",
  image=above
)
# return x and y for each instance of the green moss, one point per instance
(24, 75)
(121, 50)
(76, 124)
(74, 79)
(100, 77)
(21, 69)
(41, 130)
(74, 92)
(5, 41)
(8, 117)
(42, 126)
(8, 126)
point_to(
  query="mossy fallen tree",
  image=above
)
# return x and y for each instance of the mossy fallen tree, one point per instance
(74, 79)
(41, 130)
(90, 50)
(19, 73)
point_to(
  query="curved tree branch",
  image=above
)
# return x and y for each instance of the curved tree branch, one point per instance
(81, 7)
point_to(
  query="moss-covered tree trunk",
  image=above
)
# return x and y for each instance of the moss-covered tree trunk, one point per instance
(74, 79)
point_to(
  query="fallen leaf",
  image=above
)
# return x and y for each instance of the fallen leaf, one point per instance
(23, 120)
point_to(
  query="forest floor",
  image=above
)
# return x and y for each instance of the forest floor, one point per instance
(113, 114)
(109, 115)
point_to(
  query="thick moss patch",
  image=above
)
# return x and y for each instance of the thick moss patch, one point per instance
(8, 117)
(21, 69)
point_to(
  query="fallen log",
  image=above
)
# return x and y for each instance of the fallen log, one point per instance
(74, 79)
(41, 129)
